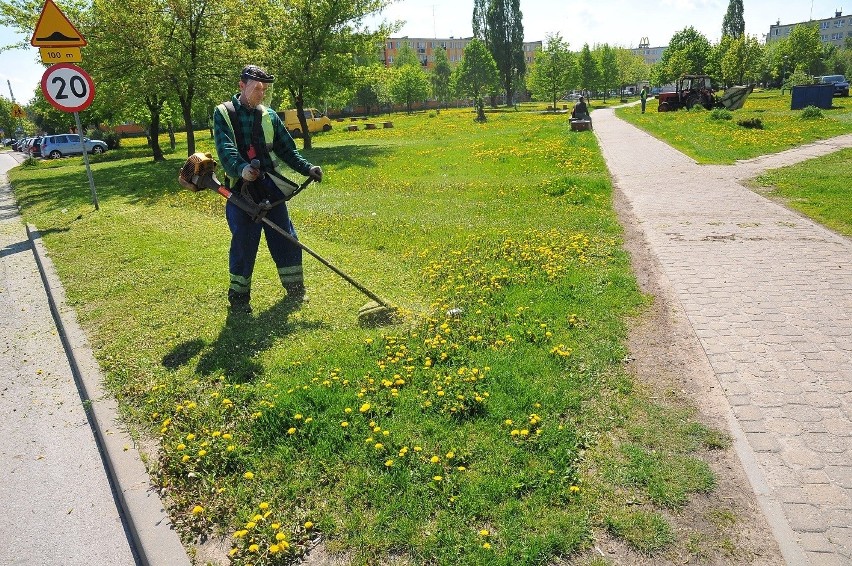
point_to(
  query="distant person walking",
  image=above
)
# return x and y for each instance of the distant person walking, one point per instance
(643, 96)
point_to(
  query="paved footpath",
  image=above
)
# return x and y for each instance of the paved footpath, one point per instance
(769, 295)
(73, 490)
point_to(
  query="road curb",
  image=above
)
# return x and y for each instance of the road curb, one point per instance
(153, 539)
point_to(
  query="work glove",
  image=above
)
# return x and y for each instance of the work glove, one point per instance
(316, 173)
(249, 173)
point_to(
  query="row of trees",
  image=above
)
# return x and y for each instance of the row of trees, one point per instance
(174, 60)
(557, 70)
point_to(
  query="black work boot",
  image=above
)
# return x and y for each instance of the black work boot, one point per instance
(239, 302)
(296, 293)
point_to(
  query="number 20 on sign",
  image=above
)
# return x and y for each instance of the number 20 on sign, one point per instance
(67, 87)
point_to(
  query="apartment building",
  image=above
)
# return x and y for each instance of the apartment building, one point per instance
(424, 48)
(650, 54)
(832, 30)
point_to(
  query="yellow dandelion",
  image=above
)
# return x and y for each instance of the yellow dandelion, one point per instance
(264, 506)
(253, 548)
(280, 536)
(291, 431)
(309, 525)
(344, 424)
(365, 407)
(248, 475)
(434, 459)
(388, 463)
(197, 510)
(181, 446)
(438, 478)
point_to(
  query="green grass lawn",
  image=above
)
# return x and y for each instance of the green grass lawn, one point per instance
(508, 434)
(818, 188)
(706, 140)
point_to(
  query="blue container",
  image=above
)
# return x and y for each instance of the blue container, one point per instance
(812, 95)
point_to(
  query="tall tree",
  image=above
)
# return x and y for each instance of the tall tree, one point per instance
(502, 29)
(688, 52)
(804, 48)
(405, 55)
(609, 69)
(476, 75)
(312, 44)
(204, 41)
(743, 61)
(589, 72)
(551, 74)
(733, 24)
(409, 83)
(631, 68)
(441, 77)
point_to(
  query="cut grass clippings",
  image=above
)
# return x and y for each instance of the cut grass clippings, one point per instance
(496, 434)
(709, 140)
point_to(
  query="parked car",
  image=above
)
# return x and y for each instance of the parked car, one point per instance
(317, 121)
(20, 144)
(34, 147)
(61, 145)
(841, 85)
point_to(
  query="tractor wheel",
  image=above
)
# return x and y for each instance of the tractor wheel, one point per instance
(692, 101)
(664, 107)
(297, 133)
(326, 128)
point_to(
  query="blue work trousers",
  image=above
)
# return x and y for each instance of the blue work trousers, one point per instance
(245, 239)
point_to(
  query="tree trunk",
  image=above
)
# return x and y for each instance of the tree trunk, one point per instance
(154, 136)
(300, 112)
(171, 135)
(154, 106)
(186, 110)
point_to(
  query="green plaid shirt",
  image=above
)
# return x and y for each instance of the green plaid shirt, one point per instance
(226, 147)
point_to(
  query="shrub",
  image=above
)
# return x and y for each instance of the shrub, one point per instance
(811, 112)
(754, 123)
(721, 114)
(112, 139)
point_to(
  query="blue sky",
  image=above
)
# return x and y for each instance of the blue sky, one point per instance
(617, 22)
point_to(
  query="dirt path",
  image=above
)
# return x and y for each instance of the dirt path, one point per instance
(753, 322)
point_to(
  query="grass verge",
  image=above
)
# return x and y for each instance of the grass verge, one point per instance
(707, 140)
(818, 188)
(507, 432)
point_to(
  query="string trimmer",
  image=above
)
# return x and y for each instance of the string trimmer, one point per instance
(199, 173)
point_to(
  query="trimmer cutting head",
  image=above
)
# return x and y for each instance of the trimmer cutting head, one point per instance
(377, 314)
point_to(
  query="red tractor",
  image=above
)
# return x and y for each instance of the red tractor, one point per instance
(697, 90)
(691, 90)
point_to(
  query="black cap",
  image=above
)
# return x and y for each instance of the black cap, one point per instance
(255, 73)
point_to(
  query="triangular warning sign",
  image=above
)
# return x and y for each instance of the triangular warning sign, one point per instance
(54, 30)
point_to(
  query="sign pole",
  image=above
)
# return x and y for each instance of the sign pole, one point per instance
(86, 160)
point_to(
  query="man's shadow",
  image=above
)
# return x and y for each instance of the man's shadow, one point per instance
(242, 337)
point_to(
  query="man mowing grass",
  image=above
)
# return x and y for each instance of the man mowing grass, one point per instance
(253, 145)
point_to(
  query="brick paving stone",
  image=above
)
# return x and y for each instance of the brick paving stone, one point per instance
(826, 559)
(840, 475)
(826, 494)
(769, 294)
(842, 536)
(805, 518)
(818, 543)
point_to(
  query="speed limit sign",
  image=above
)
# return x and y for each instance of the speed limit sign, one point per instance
(67, 87)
